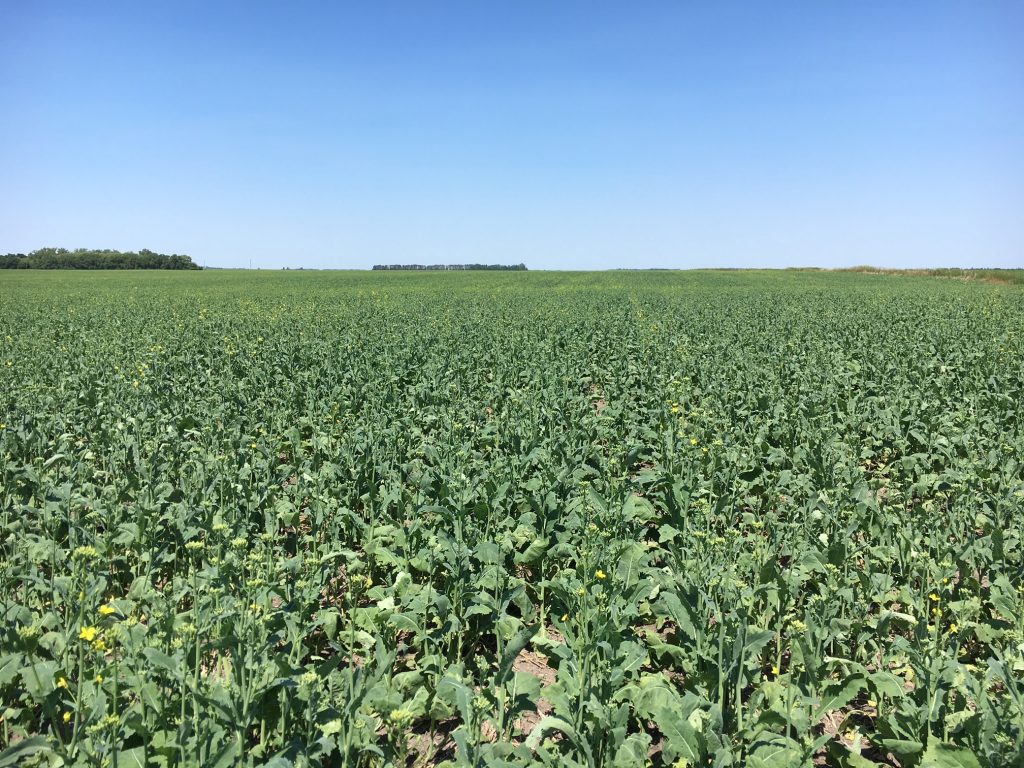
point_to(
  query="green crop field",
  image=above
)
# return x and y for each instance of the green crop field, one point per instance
(759, 519)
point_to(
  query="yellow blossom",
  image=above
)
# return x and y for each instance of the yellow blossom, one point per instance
(62, 682)
(600, 574)
(106, 610)
(67, 717)
(88, 634)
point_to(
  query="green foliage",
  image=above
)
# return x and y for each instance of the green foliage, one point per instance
(619, 519)
(88, 258)
(452, 267)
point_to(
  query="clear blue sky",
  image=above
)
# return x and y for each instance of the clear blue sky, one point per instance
(565, 135)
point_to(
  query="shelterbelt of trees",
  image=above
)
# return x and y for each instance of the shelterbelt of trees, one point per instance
(88, 258)
(444, 267)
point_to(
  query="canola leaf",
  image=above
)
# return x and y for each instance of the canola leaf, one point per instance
(132, 758)
(681, 740)
(632, 752)
(17, 753)
(488, 553)
(939, 755)
(778, 752)
(404, 622)
(886, 684)
(901, 747)
(537, 549)
(160, 660)
(515, 646)
(226, 755)
(756, 639)
(38, 678)
(839, 694)
(650, 693)
(10, 664)
(547, 724)
(637, 507)
(328, 619)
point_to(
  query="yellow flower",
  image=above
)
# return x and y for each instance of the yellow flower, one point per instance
(98, 679)
(106, 610)
(952, 628)
(694, 441)
(775, 669)
(88, 634)
(934, 598)
(600, 574)
(67, 717)
(565, 617)
(62, 683)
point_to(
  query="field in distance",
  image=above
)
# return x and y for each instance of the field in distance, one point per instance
(699, 518)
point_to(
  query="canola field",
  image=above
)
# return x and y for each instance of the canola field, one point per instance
(760, 519)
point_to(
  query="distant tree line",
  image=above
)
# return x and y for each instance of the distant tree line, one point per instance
(88, 258)
(447, 267)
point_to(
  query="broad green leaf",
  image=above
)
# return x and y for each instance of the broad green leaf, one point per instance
(15, 754)
(681, 740)
(839, 694)
(939, 755)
